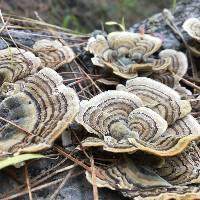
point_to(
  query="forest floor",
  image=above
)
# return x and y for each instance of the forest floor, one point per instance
(85, 15)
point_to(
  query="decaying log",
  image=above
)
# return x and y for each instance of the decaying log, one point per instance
(158, 26)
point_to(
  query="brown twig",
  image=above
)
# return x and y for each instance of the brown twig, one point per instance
(38, 188)
(80, 163)
(4, 25)
(28, 182)
(89, 78)
(81, 146)
(19, 127)
(75, 76)
(94, 182)
(53, 174)
(42, 177)
(14, 18)
(191, 84)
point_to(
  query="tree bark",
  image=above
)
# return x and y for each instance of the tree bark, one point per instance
(157, 25)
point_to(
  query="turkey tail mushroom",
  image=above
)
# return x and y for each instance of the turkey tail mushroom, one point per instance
(192, 27)
(16, 64)
(146, 116)
(140, 183)
(40, 104)
(159, 97)
(53, 53)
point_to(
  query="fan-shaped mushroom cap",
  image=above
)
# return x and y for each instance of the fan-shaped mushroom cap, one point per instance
(17, 63)
(175, 70)
(182, 169)
(192, 27)
(159, 97)
(99, 113)
(153, 132)
(128, 175)
(42, 106)
(135, 42)
(126, 53)
(131, 69)
(124, 125)
(179, 64)
(138, 182)
(53, 53)
(98, 46)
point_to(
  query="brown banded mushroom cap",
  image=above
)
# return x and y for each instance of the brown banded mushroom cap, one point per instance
(192, 27)
(123, 124)
(182, 169)
(98, 46)
(42, 106)
(53, 53)
(126, 53)
(126, 174)
(97, 142)
(105, 108)
(138, 182)
(179, 64)
(175, 70)
(16, 64)
(136, 42)
(159, 97)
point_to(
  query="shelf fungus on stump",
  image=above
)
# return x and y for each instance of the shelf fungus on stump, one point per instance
(192, 27)
(128, 54)
(53, 53)
(41, 105)
(146, 116)
(16, 64)
(139, 182)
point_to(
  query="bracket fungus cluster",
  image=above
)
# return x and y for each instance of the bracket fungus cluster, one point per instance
(16, 63)
(145, 124)
(140, 182)
(128, 54)
(192, 27)
(53, 54)
(150, 117)
(145, 116)
(35, 105)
